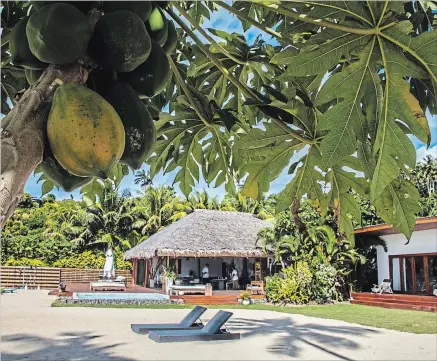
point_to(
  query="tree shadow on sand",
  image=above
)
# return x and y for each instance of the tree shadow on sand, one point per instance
(291, 335)
(66, 346)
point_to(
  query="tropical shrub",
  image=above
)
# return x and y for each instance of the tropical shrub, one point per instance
(90, 260)
(25, 262)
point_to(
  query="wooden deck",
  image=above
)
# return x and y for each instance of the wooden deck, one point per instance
(397, 301)
(217, 298)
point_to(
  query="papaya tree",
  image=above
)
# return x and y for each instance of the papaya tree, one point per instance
(330, 92)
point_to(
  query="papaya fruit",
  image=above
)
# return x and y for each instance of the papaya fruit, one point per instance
(172, 39)
(100, 80)
(19, 48)
(58, 33)
(84, 131)
(157, 26)
(32, 76)
(58, 175)
(120, 41)
(142, 8)
(140, 131)
(83, 6)
(150, 77)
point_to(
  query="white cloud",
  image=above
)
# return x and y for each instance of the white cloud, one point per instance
(422, 152)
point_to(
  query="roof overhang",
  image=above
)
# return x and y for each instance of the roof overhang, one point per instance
(422, 224)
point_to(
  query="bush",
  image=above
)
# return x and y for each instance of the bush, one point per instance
(90, 260)
(25, 262)
(293, 287)
(323, 287)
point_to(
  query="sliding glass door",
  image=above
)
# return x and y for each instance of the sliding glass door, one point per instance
(414, 273)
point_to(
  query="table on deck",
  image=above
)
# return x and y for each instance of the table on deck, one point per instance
(221, 283)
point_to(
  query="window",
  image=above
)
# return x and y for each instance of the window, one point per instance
(416, 273)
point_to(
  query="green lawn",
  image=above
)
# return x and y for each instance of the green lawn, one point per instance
(399, 320)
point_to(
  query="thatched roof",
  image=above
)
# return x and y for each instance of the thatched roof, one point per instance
(205, 233)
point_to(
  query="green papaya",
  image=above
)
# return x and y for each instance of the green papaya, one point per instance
(19, 48)
(58, 33)
(138, 125)
(172, 39)
(120, 41)
(83, 6)
(142, 8)
(157, 26)
(32, 76)
(100, 80)
(150, 78)
(58, 175)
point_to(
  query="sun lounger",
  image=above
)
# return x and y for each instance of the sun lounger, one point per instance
(384, 288)
(211, 332)
(182, 289)
(189, 322)
(8, 290)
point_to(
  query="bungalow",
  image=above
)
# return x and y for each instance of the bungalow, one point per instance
(224, 240)
(412, 266)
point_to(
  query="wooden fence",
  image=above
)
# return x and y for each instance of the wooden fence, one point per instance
(49, 277)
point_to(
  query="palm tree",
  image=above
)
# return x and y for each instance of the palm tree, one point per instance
(143, 178)
(202, 200)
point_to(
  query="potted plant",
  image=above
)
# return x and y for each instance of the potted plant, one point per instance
(245, 298)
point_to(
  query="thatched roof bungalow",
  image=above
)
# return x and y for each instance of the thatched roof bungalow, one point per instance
(221, 239)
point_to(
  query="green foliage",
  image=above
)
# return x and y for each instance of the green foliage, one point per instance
(91, 260)
(25, 262)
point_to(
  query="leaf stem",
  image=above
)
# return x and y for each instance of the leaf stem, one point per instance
(206, 35)
(413, 53)
(247, 93)
(328, 24)
(253, 22)
(242, 88)
(187, 92)
(382, 13)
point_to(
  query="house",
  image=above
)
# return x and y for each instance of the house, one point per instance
(223, 240)
(412, 266)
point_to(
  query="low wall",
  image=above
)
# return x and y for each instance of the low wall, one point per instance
(50, 277)
(70, 300)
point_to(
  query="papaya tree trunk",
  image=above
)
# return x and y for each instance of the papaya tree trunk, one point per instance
(23, 133)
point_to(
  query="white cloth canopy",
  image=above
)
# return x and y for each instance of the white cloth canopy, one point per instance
(109, 269)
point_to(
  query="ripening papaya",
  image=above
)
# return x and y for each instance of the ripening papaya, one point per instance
(19, 48)
(58, 175)
(100, 80)
(140, 131)
(83, 6)
(32, 76)
(150, 78)
(58, 33)
(142, 8)
(85, 133)
(157, 26)
(172, 39)
(120, 41)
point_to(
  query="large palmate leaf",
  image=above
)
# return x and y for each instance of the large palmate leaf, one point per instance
(186, 144)
(342, 200)
(321, 54)
(263, 154)
(307, 181)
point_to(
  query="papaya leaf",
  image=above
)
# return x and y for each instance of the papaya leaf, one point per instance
(263, 154)
(47, 187)
(317, 59)
(345, 121)
(198, 11)
(307, 180)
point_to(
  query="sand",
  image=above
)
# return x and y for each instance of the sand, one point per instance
(32, 330)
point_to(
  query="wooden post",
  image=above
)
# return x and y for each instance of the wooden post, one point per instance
(198, 270)
(177, 266)
(426, 272)
(134, 271)
(146, 273)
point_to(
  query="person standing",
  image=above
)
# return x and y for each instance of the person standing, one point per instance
(235, 284)
(205, 274)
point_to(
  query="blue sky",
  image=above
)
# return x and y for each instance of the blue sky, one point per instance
(224, 21)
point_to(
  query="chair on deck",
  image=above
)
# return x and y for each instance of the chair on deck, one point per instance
(385, 287)
(211, 332)
(188, 322)
(256, 287)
